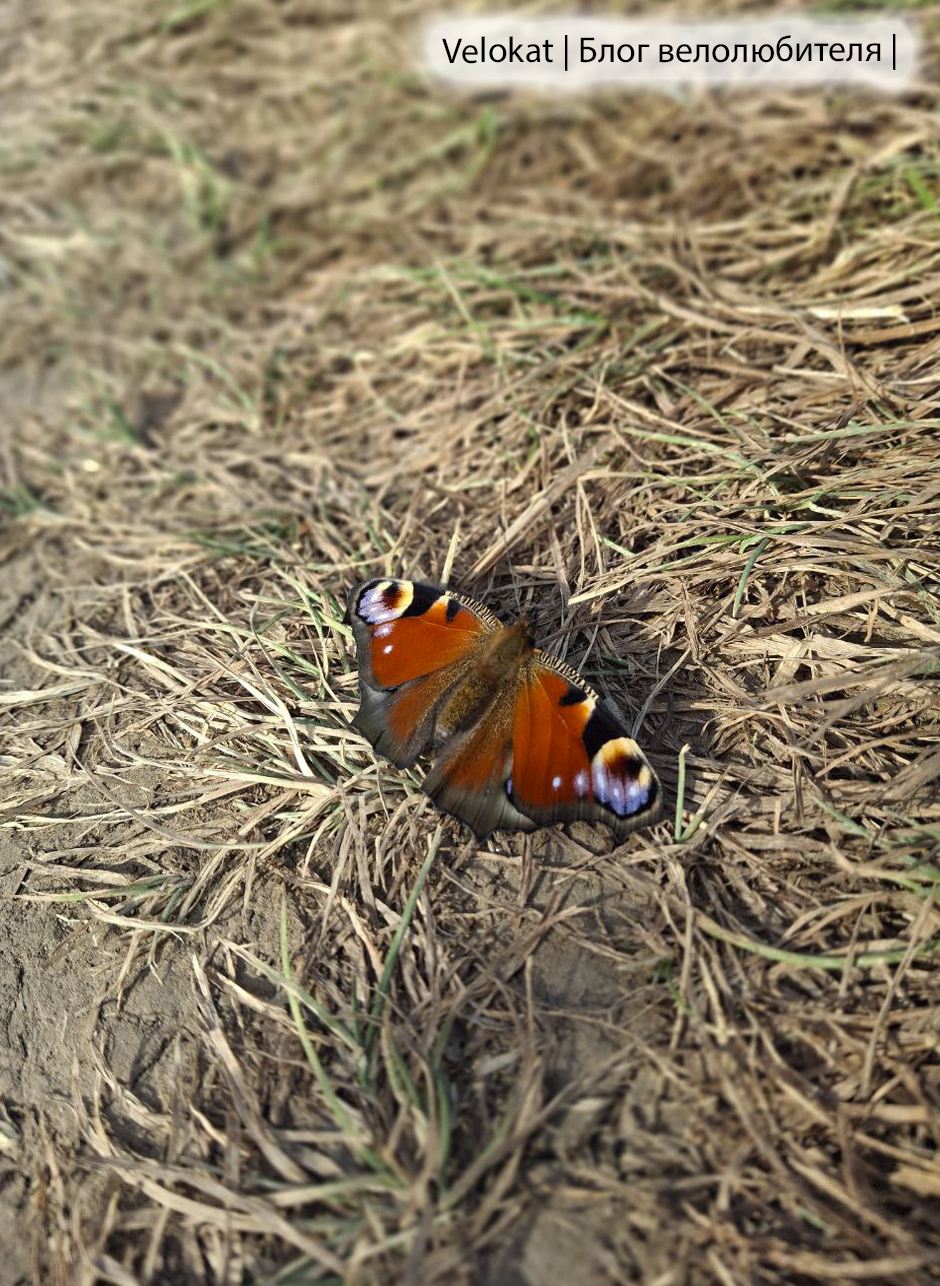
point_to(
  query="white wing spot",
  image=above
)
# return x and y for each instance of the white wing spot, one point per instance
(556, 783)
(387, 648)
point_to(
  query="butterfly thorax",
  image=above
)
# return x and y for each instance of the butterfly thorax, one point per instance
(504, 651)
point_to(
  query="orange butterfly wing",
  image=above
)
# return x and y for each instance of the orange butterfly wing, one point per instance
(540, 748)
(468, 780)
(414, 643)
(572, 755)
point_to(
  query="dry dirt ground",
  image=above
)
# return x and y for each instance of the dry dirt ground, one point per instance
(279, 315)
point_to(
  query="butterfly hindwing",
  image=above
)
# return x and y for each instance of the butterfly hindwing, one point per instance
(414, 642)
(573, 757)
(468, 779)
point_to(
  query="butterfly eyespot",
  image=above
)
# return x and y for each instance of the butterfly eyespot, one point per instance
(387, 648)
(620, 778)
(582, 782)
(556, 783)
(384, 600)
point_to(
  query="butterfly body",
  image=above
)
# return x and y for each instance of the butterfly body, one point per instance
(500, 657)
(522, 741)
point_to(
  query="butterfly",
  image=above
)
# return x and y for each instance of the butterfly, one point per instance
(521, 739)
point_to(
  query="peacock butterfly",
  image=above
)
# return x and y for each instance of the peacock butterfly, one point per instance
(523, 741)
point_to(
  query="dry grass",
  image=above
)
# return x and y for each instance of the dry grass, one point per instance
(280, 316)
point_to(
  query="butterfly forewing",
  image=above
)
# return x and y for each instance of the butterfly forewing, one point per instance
(572, 756)
(405, 629)
(414, 641)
